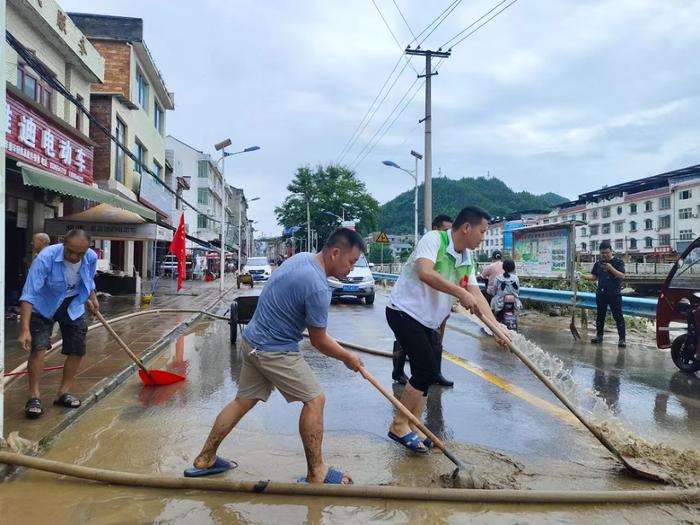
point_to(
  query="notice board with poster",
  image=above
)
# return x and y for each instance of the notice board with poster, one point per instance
(542, 252)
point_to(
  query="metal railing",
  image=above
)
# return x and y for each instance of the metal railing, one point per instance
(638, 306)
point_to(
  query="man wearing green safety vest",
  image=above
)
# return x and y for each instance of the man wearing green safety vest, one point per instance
(440, 270)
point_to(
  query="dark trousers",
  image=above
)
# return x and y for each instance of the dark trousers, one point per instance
(614, 301)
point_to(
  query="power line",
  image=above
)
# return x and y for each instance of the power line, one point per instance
(343, 151)
(408, 60)
(372, 110)
(413, 96)
(50, 79)
(369, 147)
(404, 19)
(479, 26)
(447, 12)
(386, 130)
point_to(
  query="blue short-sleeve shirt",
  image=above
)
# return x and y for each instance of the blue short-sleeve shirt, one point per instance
(296, 296)
(47, 284)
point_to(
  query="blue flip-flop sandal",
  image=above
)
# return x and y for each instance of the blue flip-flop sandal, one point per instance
(219, 466)
(333, 477)
(411, 441)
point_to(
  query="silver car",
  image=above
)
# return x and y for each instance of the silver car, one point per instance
(358, 283)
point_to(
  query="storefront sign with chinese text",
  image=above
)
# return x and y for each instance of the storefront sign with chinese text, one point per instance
(32, 139)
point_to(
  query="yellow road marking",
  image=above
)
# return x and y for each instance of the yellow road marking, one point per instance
(538, 402)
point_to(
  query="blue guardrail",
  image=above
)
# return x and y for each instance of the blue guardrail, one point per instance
(639, 306)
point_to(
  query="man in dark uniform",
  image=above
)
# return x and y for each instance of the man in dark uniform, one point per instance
(609, 271)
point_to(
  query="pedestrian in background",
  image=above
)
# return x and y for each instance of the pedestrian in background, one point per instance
(609, 271)
(491, 273)
(39, 241)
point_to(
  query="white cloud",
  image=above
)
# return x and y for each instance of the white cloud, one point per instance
(552, 95)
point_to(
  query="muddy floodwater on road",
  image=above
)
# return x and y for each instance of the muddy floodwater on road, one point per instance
(498, 419)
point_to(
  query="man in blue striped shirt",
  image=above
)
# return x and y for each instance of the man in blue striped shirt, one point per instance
(59, 285)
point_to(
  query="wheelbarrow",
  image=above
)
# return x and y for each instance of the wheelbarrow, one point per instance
(244, 278)
(242, 310)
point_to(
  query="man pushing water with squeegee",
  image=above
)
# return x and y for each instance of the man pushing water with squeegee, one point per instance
(440, 270)
(297, 296)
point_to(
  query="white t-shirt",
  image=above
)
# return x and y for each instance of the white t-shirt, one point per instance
(427, 305)
(72, 277)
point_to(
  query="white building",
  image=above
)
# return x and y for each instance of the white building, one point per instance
(493, 239)
(197, 175)
(656, 215)
(205, 188)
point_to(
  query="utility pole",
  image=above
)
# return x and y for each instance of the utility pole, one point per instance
(427, 119)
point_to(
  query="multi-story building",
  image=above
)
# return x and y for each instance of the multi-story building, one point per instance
(654, 216)
(493, 239)
(201, 184)
(131, 103)
(49, 155)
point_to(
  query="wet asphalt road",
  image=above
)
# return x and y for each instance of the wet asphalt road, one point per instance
(640, 383)
(496, 404)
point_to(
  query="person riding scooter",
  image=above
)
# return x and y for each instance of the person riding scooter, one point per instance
(506, 298)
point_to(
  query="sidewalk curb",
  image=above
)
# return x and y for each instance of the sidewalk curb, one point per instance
(109, 384)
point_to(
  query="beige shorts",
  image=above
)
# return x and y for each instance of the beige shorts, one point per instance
(288, 372)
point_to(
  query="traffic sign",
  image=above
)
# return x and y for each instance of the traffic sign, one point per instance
(382, 238)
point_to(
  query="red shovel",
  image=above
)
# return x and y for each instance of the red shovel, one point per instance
(148, 377)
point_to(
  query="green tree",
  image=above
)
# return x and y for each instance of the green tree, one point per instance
(327, 189)
(376, 256)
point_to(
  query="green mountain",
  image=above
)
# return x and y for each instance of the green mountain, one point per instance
(450, 196)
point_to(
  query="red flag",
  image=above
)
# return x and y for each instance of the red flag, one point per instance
(177, 248)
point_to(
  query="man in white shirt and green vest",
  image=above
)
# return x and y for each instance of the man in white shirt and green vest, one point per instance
(440, 270)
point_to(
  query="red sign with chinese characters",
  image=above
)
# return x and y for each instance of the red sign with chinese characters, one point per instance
(32, 139)
(660, 250)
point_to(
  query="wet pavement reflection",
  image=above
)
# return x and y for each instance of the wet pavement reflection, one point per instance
(160, 430)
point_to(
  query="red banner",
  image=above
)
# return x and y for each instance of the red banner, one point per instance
(177, 248)
(32, 139)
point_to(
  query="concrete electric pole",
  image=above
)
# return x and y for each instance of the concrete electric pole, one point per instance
(427, 165)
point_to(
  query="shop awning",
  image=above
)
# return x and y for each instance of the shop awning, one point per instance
(41, 179)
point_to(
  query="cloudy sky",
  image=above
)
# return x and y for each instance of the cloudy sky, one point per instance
(562, 96)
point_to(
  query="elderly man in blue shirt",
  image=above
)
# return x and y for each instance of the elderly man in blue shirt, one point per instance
(59, 285)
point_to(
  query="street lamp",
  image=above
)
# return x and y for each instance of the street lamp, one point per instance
(240, 221)
(413, 174)
(326, 212)
(221, 146)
